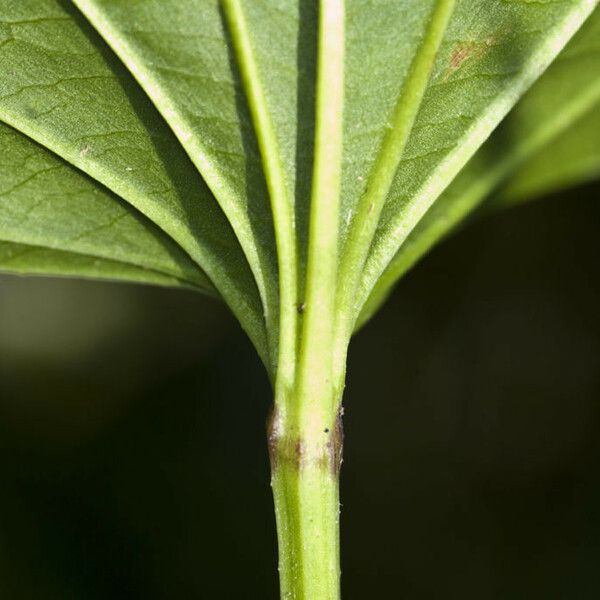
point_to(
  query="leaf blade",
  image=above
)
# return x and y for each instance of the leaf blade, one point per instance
(282, 207)
(23, 259)
(367, 213)
(169, 47)
(571, 159)
(413, 196)
(63, 87)
(567, 93)
(46, 203)
(472, 104)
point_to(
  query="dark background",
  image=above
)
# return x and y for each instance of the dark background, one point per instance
(132, 454)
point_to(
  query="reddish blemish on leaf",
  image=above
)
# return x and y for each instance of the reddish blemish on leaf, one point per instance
(470, 51)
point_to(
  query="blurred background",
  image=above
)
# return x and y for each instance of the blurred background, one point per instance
(132, 455)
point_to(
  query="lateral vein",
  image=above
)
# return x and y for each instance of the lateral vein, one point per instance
(368, 212)
(281, 204)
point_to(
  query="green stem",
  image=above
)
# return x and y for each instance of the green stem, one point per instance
(305, 438)
(305, 431)
(305, 485)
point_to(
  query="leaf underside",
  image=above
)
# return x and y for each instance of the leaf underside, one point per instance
(153, 141)
(547, 142)
(48, 204)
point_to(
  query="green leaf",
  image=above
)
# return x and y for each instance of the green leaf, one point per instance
(179, 52)
(62, 87)
(568, 95)
(239, 100)
(557, 115)
(278, 179)
(492, 53)
(570, 159)
(47, 204)
(22, 259)
(294, 156)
